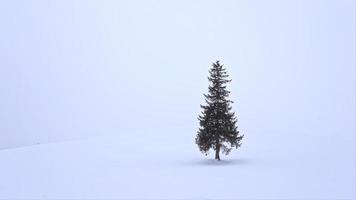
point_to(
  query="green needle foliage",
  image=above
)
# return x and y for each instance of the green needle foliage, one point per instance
(218, 128)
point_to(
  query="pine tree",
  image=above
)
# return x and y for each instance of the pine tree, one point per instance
(218, 129)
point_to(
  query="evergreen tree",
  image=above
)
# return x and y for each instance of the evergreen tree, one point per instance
(218, 129)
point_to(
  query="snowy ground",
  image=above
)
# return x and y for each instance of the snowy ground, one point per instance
(119, 167)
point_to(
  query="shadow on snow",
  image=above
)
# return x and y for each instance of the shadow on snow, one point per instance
(213, 162)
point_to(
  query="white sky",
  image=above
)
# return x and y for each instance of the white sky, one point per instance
(72, 69)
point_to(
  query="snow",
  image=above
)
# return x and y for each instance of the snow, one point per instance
(121, 167)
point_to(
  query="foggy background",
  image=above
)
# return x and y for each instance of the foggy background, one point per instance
(77, 69)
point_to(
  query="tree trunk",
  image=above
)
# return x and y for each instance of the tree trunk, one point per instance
(217, 152)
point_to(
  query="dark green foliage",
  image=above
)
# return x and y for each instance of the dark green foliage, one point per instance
(218, 128)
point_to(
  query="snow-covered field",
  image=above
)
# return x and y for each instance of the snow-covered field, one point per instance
(155, 166)
(99, 99)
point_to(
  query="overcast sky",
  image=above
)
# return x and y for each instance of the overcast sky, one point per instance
(73, 69)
